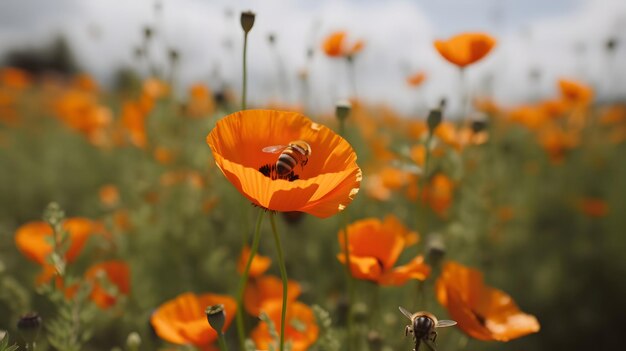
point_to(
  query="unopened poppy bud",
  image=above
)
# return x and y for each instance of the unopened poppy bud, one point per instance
(435, 248)
(133, 341)
(611, 44)
(247, 21)
(173, 55)
(360, 312)
(216, 316)
(434, 119)
(478, 125)
(147, 32)
(29, 326)
(342, 109)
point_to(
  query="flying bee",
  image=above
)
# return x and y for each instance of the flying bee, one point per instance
(296, 153)
(423, 326)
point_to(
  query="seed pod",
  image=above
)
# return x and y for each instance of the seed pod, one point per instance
(216, 316)
(247, 21)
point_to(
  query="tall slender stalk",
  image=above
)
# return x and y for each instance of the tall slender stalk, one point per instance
(283, 275)
(244, 94)
(241, 330)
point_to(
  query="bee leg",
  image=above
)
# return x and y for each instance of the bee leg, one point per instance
(434, 336)
(408, 330)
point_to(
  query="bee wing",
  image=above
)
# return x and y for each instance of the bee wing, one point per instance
(274, 148)
(445, 323)
(405, 312)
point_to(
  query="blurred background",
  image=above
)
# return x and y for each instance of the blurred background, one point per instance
(538, 42)
(529, 163)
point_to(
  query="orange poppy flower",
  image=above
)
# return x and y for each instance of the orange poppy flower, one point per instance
(85, 82)
(374, 248)
(465, 49)
(163, 155)
(336, 45)
(201, 101)
(439, 193)
(182, 321)
(532, 117)
(482, 312)
(325, 186)
(117, 273)
(133, 121)
(259, 264)
(263, 290)
(31, 238)
(109, 195)
(301, 329)
(593, 207)
(14, 78)
(416, 79)
(576, 93)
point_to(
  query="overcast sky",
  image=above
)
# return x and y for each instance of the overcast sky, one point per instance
(532, 34)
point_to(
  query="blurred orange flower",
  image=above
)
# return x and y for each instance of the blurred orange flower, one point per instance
(32, 238)
(14, 78)
(576, 93)
(117, 273)
(593, 207)
(182, 321)
(482, 312)
(267, 289)
(374, 248)
(301, 329)
(336, 45)
(259, 264)
(201, 101)
(325, 186)
(109, 195)
(439, 193)
(163, 155)
(532, 117)
(465, 49)
(416, 79)
(85, 82)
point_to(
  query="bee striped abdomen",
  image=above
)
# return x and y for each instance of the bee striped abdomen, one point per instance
(286, 161)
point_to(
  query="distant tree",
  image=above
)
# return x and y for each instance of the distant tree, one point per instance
(54, 57)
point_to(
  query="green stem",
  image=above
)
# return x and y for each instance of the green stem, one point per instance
(352, 75)
(221, 341)
(283, 275)
(241, 330)
(349, 281)
(421, 199)
(245, 72)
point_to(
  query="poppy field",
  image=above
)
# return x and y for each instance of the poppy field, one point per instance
(156, 216)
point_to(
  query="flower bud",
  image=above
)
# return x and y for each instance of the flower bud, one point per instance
(434, 119)
(611, 44)
(342, 109)
(216, 316)
(435, 249)
(133, 341)
(147, 32)
(29, 326)
(247, 21)
(478, 125)
(271, 38)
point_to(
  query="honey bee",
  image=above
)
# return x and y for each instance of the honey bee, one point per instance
(296, 153)
(423, 326)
